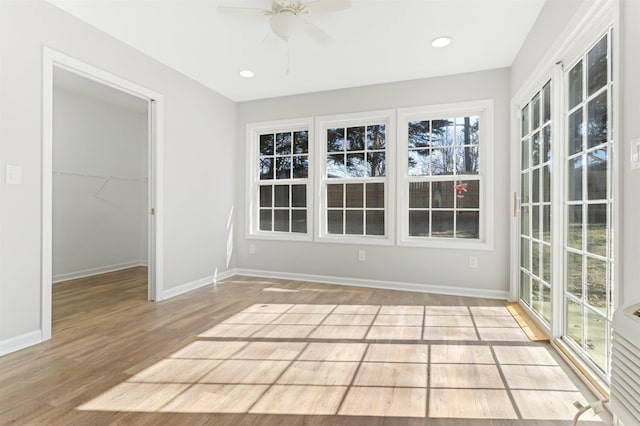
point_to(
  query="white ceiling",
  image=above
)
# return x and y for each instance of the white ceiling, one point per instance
(377, 41)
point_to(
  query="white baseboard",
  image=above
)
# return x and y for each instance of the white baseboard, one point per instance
(97, 271)
(386, 285)
(20, 342)
(175, 291)
(224, 275)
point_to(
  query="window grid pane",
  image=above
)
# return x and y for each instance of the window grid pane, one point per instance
(356, 153)
(355, 209)
(444, 209)
(283, 158)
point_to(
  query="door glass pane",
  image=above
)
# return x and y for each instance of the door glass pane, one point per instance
(535, 110)
(546, 110)
(546, 263)
(535, 222)
(597, 121)
(574, 321)
(575, 132)
(574, 232)
(525, 256)
(597, 328)
(525, 121)
(525, 288)
(535, 149)
(546, 184)
(575, 85)
(575, 179)
(524, 221)
(535, 186)
(524, 192)
(597, 64)
(546, 224)
(546, 303)
(597, 284)
(574, 274)
(535, 258)
(546, 142)
(597, 229)
(525, 154)
(597, 174)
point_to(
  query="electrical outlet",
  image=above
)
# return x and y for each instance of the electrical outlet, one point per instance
(362, 255)
(13, 175)
(473, 262)
(252, 249)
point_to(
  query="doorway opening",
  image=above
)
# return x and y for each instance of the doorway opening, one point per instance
(102, 139)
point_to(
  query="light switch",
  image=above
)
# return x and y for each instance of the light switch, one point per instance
(13, 175)
(635, 154)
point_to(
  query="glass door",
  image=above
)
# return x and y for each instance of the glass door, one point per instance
(535, 205)
(589, 258)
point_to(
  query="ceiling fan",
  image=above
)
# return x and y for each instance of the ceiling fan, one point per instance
(289, 16)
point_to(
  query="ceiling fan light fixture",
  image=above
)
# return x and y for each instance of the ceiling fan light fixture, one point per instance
(284, 24)
(247, 74)
(442, 41)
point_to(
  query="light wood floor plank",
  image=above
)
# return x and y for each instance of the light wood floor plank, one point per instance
(253, 351)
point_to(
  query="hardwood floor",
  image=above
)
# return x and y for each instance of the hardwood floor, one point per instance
(270, 352)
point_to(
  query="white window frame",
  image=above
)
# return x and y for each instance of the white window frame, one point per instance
(386, 117)
(253, 132)
(484, 110)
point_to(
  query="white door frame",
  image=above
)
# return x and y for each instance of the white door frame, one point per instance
(51, 59)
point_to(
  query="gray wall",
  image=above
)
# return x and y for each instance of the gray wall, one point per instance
(429, 266)
(630, 123)
(551, 21)
(199, 157)
(98, 225)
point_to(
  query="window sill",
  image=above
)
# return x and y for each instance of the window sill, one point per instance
(280, 236)
(446, 243)
(355, 239)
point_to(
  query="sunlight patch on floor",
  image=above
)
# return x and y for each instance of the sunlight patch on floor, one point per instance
(394, 361)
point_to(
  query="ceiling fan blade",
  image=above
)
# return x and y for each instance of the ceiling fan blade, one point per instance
(318, 35)
(242, 10)
(324, 6)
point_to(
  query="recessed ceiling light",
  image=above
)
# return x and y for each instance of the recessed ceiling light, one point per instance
(246, 74)
(441, 41)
